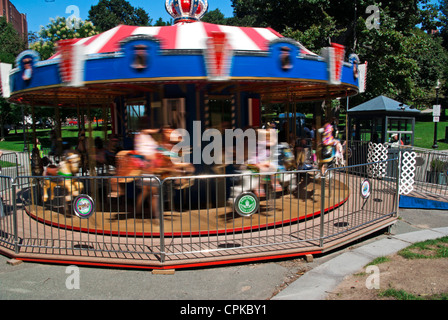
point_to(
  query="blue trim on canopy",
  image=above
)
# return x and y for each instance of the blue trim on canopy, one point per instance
(183, 64)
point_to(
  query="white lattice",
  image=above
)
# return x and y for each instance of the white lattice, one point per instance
(407, 174)
(377, 152)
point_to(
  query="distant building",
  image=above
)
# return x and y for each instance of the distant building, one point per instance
(13, 16)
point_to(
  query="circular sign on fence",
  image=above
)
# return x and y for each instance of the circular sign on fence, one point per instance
(365, 189)
(83, 206)
(246, 204)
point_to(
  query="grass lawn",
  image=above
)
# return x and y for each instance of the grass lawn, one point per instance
(14, 142)
(424, 135)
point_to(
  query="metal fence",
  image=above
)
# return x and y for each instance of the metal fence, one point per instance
(431, 170)
(11, 166)
(428, 168)
(194, 218)
(200, 218)
(8, 216)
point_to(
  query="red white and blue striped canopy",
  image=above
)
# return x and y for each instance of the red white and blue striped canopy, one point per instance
(187, 36)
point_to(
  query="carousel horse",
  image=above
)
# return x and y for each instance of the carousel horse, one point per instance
(131, 163)
(250, 182)
(61, 176)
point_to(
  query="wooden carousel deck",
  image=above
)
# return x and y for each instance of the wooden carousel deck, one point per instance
(281, 209)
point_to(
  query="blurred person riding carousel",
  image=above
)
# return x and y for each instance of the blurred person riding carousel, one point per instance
(152, 158)
(329, 148)
(265, 160)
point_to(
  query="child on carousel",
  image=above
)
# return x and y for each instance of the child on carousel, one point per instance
(263, 161)
(329, 146)
(157, 160)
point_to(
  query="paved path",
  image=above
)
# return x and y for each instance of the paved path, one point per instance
(258, 281)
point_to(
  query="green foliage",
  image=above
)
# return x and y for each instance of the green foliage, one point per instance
(404, 58)
(403, 65)
(161, 23)
(57, 30)
(107, 14)
(14, 141)
(11, 44)
(316, 36)
(438, 165)
(215, 16)
(280, 14)
(399, 294)
(378, 260)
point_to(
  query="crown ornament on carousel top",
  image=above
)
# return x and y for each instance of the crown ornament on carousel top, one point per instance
(186, 10)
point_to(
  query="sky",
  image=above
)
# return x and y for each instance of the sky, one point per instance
(39, 12)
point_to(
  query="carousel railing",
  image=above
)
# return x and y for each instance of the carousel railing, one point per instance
(200, 214)
(211, 204)
(372, 198)
(117, 227)
(8, 216)
(10, 164)
(430, 168)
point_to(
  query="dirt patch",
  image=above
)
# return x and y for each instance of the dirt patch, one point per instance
(297, 268)
(420, 277)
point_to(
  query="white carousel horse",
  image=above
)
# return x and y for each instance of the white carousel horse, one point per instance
(62, 174)
(250, 182)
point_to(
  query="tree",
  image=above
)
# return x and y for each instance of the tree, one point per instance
(316, 36)
(405, 58)
(11, 45)
(280, 14)
(107, 14)
(404, 62)
(58, 30)
(11, 42)
(161, 23)
(300, 15)
(215, 16)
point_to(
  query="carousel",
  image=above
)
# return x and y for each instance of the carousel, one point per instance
(192, 76)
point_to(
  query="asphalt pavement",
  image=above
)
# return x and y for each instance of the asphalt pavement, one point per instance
(291, 279)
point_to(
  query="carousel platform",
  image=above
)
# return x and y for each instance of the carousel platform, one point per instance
(198, 238)
(122, 218)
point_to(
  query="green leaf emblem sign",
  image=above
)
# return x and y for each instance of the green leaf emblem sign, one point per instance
(246, 204)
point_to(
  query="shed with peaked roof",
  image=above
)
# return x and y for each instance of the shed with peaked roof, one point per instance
(378, 119)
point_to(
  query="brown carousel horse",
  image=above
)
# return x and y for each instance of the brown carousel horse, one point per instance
(65, 170)
(162, 163)
(130, 163)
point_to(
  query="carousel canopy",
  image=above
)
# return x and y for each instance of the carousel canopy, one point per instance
(131, 60)
(188, 36)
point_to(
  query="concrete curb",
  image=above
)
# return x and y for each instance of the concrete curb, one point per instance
(318, 282)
